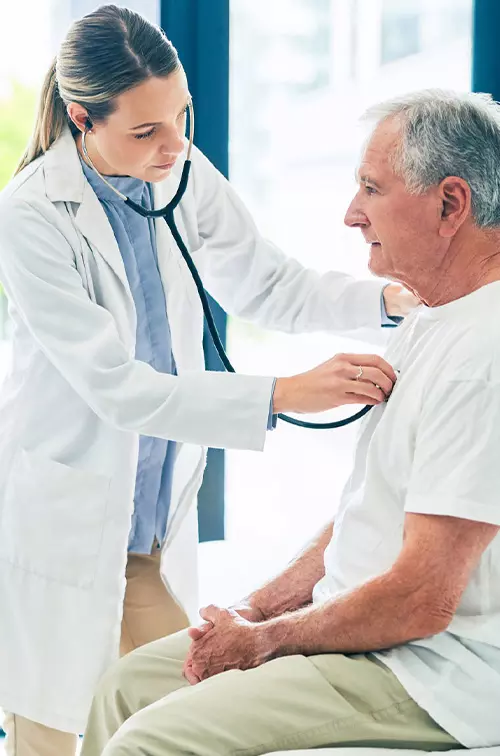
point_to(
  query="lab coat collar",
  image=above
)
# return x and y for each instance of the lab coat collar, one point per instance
(64, 179)
(66, 182)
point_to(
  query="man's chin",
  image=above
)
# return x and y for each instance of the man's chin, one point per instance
(376, 264)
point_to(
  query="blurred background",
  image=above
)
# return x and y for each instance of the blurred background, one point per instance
(278, 112)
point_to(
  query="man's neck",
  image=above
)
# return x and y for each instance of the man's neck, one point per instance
(463, 272)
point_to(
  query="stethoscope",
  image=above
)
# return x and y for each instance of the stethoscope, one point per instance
(168, 214)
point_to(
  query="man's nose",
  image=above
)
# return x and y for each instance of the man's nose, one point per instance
(355, 217)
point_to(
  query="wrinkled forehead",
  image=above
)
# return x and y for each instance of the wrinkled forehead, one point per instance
(379, 148)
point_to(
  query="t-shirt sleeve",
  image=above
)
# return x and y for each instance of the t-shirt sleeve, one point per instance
(456, 465)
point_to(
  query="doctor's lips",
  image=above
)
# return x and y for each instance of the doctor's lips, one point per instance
(165, 166)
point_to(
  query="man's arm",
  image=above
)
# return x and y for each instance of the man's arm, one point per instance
(417, 598)
(293, 588)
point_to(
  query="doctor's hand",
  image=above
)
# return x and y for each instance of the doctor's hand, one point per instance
(345, 379)
(231, 642)
(399, 301)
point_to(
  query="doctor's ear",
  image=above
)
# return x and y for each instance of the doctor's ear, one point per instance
(80, 117)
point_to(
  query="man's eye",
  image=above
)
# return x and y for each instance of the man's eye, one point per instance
(146, 135)
(370, 189)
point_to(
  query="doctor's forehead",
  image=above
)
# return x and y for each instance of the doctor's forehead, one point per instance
(155, 100)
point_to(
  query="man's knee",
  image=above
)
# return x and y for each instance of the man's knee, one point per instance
(120, 745)
(129, 683)
(145, 733)
(115, 682)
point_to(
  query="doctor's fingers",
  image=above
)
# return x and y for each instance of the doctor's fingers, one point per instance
(371, 361)
(363, 392)
(370, 375)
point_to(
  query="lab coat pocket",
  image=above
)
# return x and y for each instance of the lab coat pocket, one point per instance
(52, 519)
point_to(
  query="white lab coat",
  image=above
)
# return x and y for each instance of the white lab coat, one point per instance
(75, 402)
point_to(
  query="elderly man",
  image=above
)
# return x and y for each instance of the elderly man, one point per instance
(386, 631)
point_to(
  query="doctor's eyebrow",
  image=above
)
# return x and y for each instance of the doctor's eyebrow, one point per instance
(158, 123)
(143, 125)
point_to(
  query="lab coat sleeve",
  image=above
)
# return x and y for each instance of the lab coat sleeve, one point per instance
(251, 278)
(79, 337)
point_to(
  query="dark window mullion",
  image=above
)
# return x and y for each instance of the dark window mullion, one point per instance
(200, 31)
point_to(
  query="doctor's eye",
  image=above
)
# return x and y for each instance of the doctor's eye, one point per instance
(146, 135)
(370, 189)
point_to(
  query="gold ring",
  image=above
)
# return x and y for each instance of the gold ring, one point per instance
(360, 374)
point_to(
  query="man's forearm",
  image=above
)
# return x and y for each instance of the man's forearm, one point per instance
(293, 588)
(382, 613)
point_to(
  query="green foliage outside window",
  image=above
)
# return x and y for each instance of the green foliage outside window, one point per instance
(16, 123)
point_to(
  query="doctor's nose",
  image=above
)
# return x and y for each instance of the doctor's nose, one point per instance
(173, 144)
(355, 217)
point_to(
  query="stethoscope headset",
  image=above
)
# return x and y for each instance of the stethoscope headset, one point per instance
(168, 214)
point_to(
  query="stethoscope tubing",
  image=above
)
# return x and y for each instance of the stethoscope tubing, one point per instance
(168, 214)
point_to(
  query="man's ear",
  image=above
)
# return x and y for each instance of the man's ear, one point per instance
(455, 196)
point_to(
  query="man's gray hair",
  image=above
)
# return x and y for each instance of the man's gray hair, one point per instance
(446, 133)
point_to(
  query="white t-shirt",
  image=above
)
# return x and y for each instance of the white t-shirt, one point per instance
(434, 448)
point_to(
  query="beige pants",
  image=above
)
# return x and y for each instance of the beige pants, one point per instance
(145, 707)
(149, 612)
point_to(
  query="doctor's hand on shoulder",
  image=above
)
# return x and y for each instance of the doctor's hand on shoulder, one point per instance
(344, 379)
(398, 301)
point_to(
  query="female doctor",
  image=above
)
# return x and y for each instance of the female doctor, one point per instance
(107, 409)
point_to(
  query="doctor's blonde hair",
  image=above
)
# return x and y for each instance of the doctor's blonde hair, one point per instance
(103, 55)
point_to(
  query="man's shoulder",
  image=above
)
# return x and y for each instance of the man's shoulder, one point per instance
(461, 348)
(469, 348)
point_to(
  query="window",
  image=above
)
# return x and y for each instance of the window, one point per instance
(302, 71)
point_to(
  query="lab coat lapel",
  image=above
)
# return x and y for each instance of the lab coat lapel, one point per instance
(65, 182)
(183, 305)
(95, 227)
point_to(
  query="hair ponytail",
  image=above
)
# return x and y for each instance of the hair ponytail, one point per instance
(50, 119)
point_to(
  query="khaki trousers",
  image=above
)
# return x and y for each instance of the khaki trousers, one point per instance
(145, 707)
(149, 613)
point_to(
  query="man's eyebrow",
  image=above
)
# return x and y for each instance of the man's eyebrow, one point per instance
(158, 123)
(365, 179)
